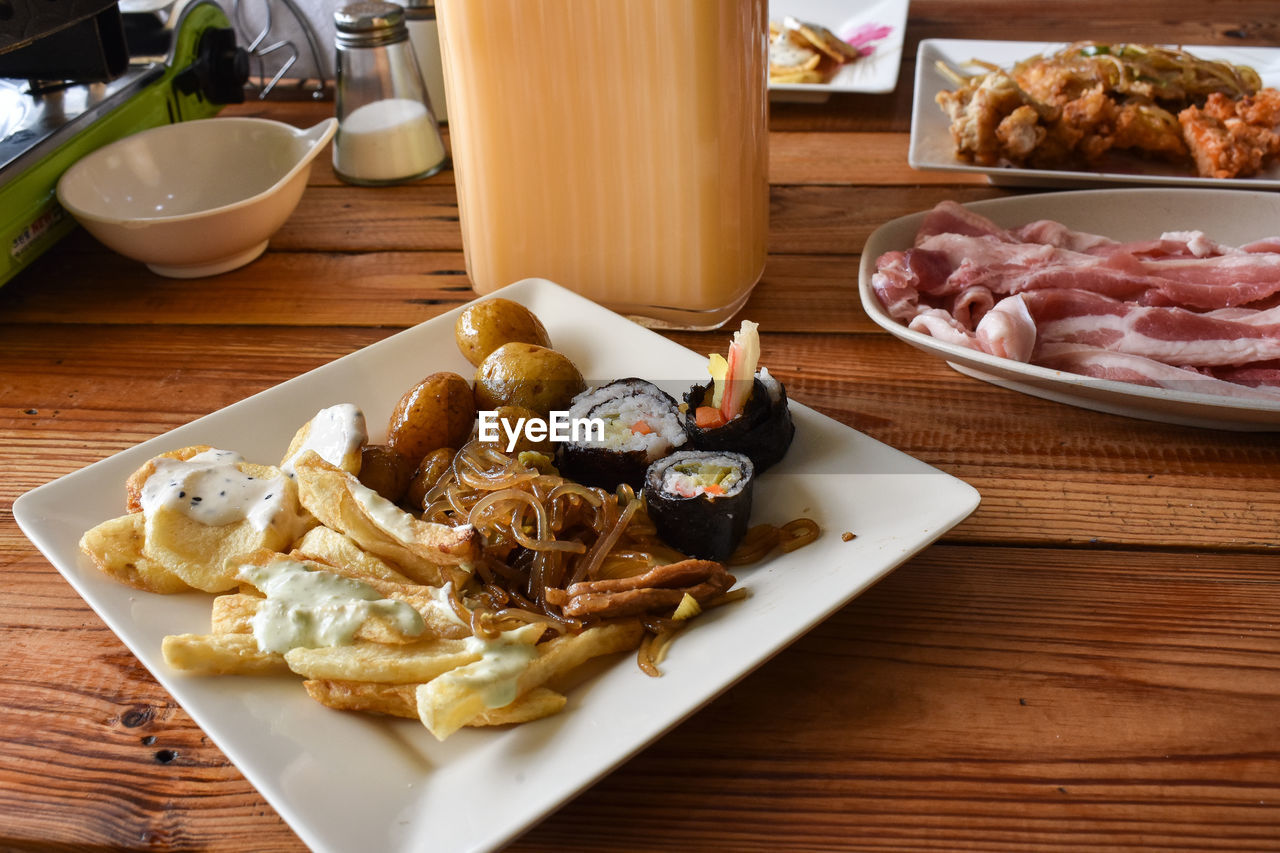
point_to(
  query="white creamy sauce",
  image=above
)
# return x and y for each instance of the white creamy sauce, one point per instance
(210, 488)
(784, 54)
(333, 433)
(384, 513)
(307, 608)
(496, 675)
(440, 596)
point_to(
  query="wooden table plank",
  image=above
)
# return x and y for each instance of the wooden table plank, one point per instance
(1133, 707)
(1088, 662)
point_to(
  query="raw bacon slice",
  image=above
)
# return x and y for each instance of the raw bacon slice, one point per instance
(1172, 335)
(1184, 269)
(1179, 308)
(1123, 367)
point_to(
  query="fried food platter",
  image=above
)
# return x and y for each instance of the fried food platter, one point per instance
(875, 72)
(348, 782)
(932, 146)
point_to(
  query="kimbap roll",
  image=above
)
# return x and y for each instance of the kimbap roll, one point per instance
(700, 501)
(742, 409)
(641, 423)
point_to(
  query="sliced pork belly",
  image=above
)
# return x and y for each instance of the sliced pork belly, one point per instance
(1051, 295)
(1172, 335)
(1098, 363)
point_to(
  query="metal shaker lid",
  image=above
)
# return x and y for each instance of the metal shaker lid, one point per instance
(370, 24)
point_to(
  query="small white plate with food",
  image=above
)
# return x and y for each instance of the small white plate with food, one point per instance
(349, 782)
(819, 47)
(1017, 135)
(1153, 303)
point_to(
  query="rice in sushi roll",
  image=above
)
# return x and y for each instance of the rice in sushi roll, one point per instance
(700, 501)
(641, 424)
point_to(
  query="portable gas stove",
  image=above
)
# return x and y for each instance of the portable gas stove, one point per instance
(191, 70)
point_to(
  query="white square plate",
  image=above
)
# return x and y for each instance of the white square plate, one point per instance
(931, 146)
(874, 73)
(1234, 217)
(353, 783)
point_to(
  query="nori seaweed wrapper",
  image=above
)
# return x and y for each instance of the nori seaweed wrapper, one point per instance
(706, 526)
(763, 430)
(606, 467)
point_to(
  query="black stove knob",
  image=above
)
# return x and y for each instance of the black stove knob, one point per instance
(219, 71)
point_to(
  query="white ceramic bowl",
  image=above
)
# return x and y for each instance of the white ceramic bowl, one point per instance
(195, 198)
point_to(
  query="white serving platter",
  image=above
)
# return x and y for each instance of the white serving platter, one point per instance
(931, 145)
(874, 73)
(348, 783)
(1230, 216)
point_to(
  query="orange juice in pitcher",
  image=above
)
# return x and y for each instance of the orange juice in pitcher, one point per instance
(616, 147)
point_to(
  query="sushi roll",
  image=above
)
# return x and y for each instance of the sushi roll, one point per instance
(700, 501)
(641, 423)
(742, 409)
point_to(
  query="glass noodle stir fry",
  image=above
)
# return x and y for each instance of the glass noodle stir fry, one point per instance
(440, 575)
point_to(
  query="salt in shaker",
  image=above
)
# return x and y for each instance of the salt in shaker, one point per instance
(387, 133)
(420, 18)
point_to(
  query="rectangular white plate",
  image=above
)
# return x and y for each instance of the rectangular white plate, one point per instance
(352, 783)
(1229, 216)
(875, 73)
(931, 146)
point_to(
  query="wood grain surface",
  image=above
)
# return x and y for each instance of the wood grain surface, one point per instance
(1091, 661)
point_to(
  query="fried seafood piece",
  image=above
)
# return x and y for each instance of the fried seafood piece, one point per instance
(977, 109)
(1020, 133)
(1150, 129)
(1083, 131)
(1233, 139)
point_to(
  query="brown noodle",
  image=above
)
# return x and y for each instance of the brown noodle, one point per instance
(543, 532)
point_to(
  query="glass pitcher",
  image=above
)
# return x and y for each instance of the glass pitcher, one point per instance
(616, 147)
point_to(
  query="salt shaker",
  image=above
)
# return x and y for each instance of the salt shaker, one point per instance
(387, 133)
(420, 18)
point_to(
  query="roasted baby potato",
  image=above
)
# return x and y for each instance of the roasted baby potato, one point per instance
(437, 412)
(487, 325)
(528, 375)
(432, 467)
(385, 470)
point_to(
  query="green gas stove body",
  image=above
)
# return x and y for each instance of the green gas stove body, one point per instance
(202, 71)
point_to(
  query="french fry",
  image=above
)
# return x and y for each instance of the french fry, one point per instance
(431, 602)
(452, 700)
(203, 555)
(393, 700)
(220, 654)
(233, 613)
(115, 547)
(418, 547)
(326, 545)
(400, 700)
(537, 703)
(377, 662)
(354, 433)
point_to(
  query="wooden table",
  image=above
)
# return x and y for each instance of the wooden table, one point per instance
(1090, 661)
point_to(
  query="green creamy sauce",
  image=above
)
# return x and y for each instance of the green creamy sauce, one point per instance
(307, 608)
(384, 513)
(496, 675)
